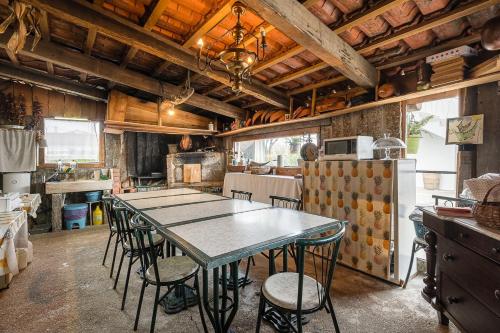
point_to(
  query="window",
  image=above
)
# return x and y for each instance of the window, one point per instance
(426, 136)
(268, 149)
(69, 140)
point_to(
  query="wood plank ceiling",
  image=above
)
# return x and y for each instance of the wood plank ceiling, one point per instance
(93, 46)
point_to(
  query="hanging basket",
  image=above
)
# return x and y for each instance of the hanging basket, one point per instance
(488, 213)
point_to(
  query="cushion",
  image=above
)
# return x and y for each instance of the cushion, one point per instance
(172, 269)
(282, 289)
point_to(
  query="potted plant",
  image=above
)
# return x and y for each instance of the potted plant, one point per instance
(415, 133)
(294, 144)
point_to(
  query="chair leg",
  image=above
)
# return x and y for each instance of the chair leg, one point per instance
(247, 270)
(124, 298)
(262, 308)
(413, 250)
(119, 270)
(299, 321)
(117, 240)
(139, 306)
(332, 313)
(155, 308)
(107, 247)
(200, 307)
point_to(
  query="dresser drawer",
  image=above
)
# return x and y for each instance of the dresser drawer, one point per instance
(477, 275)
(482, 244)
(470, 314)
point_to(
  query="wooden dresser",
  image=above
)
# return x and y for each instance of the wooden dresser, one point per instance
(463, 272)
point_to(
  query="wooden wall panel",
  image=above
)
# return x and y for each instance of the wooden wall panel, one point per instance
(25, 91)
(42, 96)
(88, 109)
(72, 107)
(56, 104)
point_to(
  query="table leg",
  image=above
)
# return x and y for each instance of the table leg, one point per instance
(429, 291)
(218, 306)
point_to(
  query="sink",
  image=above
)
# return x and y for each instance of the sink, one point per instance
(69, 186)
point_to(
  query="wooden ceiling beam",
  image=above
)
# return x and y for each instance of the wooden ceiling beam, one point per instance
(409, 31)
(210, 22)
(233, 98)
(298, 23)
(67, 58)
(154, 13)
(253, 104)
(317, 85)
(50, 82)
(160, 69)
(214, 90)
(371, 13)
(45, 29)
(87, 50)
(87, 15)
(297, 74)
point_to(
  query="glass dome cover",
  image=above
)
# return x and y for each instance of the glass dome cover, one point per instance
(387, 143)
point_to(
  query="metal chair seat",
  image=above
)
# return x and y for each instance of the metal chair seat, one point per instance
(157, 240)
(172, 269)
(281, 289)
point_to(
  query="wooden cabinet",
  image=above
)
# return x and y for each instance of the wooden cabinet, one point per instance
(463, 272)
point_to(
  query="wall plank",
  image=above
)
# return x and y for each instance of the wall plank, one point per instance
(56, 104)
(42, 96)
(72, 107)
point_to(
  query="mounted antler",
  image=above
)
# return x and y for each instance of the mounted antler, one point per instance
(180, 98)
(26, 19)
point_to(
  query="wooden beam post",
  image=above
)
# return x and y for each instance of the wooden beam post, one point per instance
(51, 82)
(313, 102)
(65, 57)
(294, 20)
(84, 14)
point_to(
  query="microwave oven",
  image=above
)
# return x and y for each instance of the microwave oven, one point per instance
(348, 148)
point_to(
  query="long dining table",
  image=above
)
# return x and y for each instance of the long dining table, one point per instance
(217, 232)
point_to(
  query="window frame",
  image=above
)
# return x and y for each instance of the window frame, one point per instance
(279, 134)
(94, 165)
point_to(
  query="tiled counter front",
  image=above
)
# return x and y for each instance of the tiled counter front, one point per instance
(359, 192)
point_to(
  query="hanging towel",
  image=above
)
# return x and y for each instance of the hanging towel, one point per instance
(17, 150)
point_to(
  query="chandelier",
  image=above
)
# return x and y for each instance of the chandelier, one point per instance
(235, 61)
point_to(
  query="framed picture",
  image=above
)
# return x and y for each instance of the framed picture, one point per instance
(465, 130)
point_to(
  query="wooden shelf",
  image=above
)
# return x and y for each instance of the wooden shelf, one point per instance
(395, 99)
(137, 127)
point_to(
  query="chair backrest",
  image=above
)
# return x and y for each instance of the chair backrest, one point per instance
(243, 195)
(284, 202)
(108, 210)
(143, 234)
(453, 202)
(122, 216)
(324, 252)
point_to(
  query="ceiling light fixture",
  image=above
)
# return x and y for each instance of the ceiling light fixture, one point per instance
(235, 61)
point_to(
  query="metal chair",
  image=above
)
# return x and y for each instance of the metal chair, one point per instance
(168, 272)
(130, 247)
(419, 242)
(113, 231)
(290, 203)
(291, 295)
(243, 195)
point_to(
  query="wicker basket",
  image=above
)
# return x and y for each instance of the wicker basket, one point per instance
(488, 213)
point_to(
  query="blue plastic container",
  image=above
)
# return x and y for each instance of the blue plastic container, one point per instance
(93, 196)
(75, 215)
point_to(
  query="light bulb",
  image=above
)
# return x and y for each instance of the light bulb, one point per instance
(200, 43)
(171, 111)
(263, 31)
(403, 72)
(250, 60)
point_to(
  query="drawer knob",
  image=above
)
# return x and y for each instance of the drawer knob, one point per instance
(497, 294)
(448, 257)
(495, 250)
(462, 235)
(452, 300)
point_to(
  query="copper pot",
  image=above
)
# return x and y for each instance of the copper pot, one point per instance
(186, 143)
(490, 35)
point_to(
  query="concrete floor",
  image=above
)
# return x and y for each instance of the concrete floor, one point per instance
(66, 289)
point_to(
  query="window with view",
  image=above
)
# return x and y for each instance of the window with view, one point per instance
(265, 150)
(72, 140)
